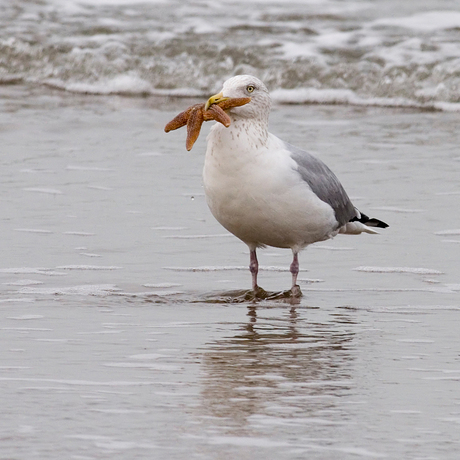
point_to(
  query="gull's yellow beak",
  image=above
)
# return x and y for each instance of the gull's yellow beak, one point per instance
(215, 100)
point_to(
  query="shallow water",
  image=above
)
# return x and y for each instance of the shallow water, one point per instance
(124, 333)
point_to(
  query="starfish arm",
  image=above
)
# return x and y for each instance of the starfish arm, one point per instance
(179, 120)
(216, 113)
(234, 102)
(194, 125)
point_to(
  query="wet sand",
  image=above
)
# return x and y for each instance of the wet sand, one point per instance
(123, 329)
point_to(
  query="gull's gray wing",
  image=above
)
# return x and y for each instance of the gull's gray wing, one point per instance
(324, 184)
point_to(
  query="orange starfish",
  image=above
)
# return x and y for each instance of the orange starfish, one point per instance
(196, 114)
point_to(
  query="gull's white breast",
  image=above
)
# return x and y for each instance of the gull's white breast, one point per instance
(254, 190)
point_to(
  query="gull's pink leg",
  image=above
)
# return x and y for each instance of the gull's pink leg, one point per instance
(253, 268)
(294, 269)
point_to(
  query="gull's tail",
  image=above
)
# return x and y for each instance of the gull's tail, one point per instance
(362, 223)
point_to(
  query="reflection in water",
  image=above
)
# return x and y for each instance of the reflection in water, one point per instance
(278, 370)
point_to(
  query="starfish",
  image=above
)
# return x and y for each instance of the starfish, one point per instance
(196, 114)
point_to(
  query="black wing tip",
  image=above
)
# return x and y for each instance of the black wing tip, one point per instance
(370, 221)
(376, 223)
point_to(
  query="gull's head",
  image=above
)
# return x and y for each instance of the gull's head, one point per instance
(245, 86)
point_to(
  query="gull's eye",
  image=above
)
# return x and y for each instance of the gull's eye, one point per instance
(250, 88)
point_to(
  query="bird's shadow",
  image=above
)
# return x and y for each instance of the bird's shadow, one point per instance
(291, 296)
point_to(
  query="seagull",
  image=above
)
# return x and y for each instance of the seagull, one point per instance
(268, 192)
